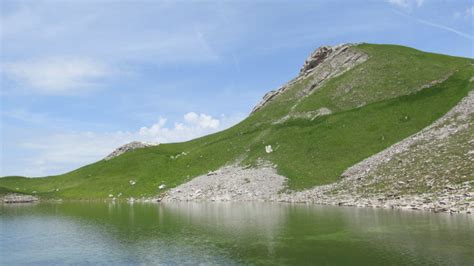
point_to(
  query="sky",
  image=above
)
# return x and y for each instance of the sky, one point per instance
(80, 78)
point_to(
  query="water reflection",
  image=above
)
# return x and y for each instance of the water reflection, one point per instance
(239, 219)
(229, 233)
(437, 238)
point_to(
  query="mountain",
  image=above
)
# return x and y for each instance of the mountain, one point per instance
(361, 118)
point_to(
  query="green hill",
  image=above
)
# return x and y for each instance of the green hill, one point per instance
(348, 103)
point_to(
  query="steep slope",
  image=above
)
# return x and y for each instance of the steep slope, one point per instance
(348, 103)
(430, 170)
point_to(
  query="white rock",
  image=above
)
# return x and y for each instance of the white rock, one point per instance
(162, 186)
(127, 147)
(132, 182)
(268, 149)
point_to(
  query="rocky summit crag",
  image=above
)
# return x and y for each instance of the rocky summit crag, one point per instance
(361, 125)
(324, 63)
(127, 147)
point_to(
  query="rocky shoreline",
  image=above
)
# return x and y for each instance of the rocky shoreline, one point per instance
(450, 201)
(264, 184)
(19, 198)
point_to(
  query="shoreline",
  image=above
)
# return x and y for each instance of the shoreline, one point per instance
(422, 202)
(418, 203)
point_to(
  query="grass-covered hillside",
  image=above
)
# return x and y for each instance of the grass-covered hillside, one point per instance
(395, 93)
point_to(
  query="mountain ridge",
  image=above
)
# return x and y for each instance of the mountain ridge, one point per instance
(340, 60)
(335, 114)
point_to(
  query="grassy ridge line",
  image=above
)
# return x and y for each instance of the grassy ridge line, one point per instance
(308, 153)
(391, 71)
(316, 153)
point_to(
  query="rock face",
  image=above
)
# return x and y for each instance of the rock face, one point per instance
(127, 147)
(323, 64)
(318, 56)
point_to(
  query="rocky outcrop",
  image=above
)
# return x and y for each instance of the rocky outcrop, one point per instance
(127, 147)
(318, 56)
(19, 198)
(323, 64)
(310, 115)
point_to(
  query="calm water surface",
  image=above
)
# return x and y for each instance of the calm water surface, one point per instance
(229, 233)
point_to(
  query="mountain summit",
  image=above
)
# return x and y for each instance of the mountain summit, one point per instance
(323, 64)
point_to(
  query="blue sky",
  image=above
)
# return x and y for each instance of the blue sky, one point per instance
(79, 78)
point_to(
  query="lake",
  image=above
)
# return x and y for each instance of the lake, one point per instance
(230, 234)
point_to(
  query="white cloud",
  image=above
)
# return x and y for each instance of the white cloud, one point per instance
(202, 120)
(470, 11)
(193, 125)
(467, 14)
(406, 4)
(39, 29)
(57, 153)
(57, 75)
(439, 26)
(24, 115)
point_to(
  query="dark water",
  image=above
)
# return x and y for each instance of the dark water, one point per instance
(230, 233)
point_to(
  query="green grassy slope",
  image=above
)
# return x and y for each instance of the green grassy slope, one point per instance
(374, 105)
